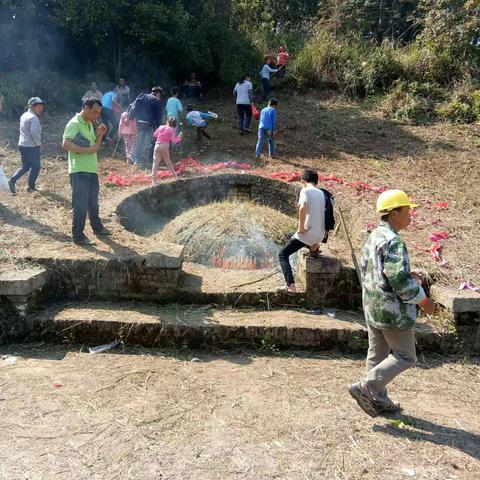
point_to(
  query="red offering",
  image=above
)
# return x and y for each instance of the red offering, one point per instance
(255, 112)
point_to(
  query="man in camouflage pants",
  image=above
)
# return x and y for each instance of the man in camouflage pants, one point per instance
(391, 293)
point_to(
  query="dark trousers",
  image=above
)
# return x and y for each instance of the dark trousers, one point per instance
(30, 161)
(244, 116)
(110, 120)
(85, 190)
(266, 88)
(283, 256)
(202, 131)
(144, 131)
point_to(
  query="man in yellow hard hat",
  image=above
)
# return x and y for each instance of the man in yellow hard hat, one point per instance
(391, 294)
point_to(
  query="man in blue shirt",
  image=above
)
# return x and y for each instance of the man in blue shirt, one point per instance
(147, 111)
(109, 100)
(266, 128)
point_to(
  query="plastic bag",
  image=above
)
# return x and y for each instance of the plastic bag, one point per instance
(3, 181)
(255, 112)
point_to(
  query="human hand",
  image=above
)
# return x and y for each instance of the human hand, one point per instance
(418, 277)
(101, 130)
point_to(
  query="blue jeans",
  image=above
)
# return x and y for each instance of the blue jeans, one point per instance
(85, 189)
(266, 88)
(290, 248)
(262, 136)
(144, 131)
(30, 161)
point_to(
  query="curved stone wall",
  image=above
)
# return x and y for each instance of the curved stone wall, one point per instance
(167, 200)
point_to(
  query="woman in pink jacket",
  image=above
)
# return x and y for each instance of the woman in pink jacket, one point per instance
(165, 135)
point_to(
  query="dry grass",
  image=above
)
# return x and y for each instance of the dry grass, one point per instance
(155, 414)
(232, 231)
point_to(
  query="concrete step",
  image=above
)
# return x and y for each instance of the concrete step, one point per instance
(152, 325)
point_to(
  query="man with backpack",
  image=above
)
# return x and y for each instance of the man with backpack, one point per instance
(147, 111)
(312, 228)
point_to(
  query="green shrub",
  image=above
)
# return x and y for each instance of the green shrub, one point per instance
(462, 107)
(52, 87)
(412, 102)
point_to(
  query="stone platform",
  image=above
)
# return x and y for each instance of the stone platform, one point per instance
(209, 326)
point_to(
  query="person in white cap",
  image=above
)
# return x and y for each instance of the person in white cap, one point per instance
(391, 293)
(29, 143)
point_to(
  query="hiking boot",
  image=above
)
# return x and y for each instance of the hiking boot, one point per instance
(384, 404)
(11, 186)
(363, 397)
(84, 242)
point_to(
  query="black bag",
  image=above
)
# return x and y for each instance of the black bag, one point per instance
(329, 214)
(137, 109)
(81, 141)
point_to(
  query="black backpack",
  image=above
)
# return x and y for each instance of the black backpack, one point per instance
(137, 109)
(329, 214)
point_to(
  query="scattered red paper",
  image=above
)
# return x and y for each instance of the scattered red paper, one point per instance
(57, 385)
(441, 205)
(114, 179)
(435, 237)
(436, 251)
(469, 286)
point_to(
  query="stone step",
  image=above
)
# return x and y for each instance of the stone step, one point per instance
(152, 325)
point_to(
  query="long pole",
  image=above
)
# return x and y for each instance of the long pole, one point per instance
(354, 258)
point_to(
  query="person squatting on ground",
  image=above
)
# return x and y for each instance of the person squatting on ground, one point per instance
(109, 106)
(128, 130)
(198, 120)
(82, 144)
(174, 107)
(165, 135)
(147, 111)
(244, 92)
(265, 77)
(311, 226)
(391, 293)
(29, 143)
(266, 128)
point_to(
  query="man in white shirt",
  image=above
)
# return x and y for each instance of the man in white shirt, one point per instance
(29, 143)
(311, 226)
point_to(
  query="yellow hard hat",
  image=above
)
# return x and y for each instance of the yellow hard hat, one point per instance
(391, 199)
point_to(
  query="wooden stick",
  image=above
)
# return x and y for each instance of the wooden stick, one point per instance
(354, 258)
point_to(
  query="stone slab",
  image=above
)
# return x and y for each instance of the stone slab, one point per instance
(22, 282)
(166, 256)
(324, 263)
(463, 301)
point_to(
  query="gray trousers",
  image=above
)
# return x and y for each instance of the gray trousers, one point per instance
(390, 352)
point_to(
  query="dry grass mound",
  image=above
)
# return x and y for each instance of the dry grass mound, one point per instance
(230, 234)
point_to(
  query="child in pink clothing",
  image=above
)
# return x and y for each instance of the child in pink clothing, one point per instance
(165, 135)
(128, 130)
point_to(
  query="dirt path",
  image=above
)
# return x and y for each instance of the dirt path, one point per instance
(156, 414)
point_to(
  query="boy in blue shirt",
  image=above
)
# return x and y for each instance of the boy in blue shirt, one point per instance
(174, 107)
(266, 128)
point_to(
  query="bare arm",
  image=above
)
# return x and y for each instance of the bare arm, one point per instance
(302, 216)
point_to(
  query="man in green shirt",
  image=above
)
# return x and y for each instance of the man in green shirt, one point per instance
(391, 293)
(82, 144)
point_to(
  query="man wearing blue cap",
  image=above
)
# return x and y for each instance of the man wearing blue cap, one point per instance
(29, 143)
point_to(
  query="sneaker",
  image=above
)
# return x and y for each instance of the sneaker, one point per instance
(363, 397)
(103, 233)
(31, 190)
(247, 130)
(84, 242)
(386, 405)
(11, 186)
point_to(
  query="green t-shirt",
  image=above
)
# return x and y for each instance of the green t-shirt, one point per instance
(81, 162)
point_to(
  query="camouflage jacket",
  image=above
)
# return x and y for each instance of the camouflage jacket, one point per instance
(390, 293)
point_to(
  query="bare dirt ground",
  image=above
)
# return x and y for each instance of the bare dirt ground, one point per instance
(156, 414)
(436, 163)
